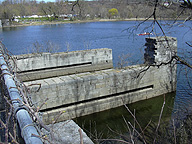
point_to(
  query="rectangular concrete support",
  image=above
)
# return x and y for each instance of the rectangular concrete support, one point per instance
(46, 65)
(84, 89)
(85, 93)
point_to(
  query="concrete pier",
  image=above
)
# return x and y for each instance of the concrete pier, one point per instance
(45, 65)
(84, 82)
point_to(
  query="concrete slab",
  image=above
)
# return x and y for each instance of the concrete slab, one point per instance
(67, 132)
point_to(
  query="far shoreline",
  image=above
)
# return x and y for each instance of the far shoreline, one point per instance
(82, 21)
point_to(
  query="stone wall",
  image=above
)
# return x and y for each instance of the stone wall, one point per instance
(89, 92)
(159, 50)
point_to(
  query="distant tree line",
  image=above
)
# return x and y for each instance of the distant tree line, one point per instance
(89, 9)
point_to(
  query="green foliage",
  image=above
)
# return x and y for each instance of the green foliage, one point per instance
(88, 10)
(36, 19)
(113, 12)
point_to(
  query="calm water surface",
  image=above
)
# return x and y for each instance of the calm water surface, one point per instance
(120, 36)
(80, 36)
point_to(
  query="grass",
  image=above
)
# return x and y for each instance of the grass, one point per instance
(37, 19)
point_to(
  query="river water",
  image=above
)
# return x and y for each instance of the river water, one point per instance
(121, 37)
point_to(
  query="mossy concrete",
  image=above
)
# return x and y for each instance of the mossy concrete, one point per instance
(94, 90)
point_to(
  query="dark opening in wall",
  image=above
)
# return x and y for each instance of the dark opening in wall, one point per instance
(145, 88)
(150, 51)
(50, 68)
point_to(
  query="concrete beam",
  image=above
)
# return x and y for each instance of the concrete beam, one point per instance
(93, 91)
(46, 65)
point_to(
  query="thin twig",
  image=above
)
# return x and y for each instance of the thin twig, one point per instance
(114, 140)
(162, 108)
(81, 136)
(76, 3)
(43, 137)
(174, 132)
(143, 135)
(35, 84)
(13, 139)
(131, 136)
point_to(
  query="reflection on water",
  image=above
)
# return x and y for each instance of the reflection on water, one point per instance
(102, 124)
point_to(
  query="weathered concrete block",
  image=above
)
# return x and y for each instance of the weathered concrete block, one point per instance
(87, 92)
(67, 132)
(90, 86)
(160, 49)
(46, 65)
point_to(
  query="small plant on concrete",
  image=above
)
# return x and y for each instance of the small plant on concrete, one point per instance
(87, 45)
(124, 60)
(51, 47)
(47, 46)
(68, 46)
